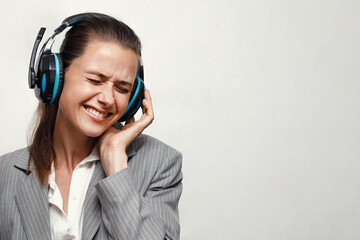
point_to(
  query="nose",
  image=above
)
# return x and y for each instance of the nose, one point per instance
(106, 95)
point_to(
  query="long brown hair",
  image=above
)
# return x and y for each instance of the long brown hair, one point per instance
(41, 145)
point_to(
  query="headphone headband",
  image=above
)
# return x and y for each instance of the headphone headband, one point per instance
(74, 19)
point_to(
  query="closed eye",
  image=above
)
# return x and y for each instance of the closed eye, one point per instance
(122, 89)
(123, 86)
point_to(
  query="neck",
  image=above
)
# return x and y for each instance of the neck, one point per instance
(70, 146)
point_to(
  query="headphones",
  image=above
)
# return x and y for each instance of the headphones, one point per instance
(47, 76)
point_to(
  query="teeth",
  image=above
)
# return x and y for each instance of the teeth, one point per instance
(96, 113)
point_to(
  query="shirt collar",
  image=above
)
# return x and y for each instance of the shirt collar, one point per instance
(92, 157)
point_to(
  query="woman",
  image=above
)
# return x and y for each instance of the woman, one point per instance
(80, 177)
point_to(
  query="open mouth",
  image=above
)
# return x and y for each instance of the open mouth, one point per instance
(96, 113)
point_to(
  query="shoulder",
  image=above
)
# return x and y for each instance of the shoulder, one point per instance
(19, 157)
(13, 165)
(154, 159)
(150, 146)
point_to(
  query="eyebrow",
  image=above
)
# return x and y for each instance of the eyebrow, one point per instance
(97, 74)
(101, 75)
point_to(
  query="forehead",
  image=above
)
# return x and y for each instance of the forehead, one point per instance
(108, 49)
(108, 57)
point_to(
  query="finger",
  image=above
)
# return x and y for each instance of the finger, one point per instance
(143, 106)
(148, 95)
(147, 102)
(148, 112)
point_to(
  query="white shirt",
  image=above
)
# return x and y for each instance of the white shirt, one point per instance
(70, 226)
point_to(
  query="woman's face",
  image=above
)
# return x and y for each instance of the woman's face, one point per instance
(97, 88)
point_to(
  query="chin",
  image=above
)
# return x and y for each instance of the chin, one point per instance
(93, 131)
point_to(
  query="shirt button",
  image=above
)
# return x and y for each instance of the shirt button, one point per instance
(74, 197)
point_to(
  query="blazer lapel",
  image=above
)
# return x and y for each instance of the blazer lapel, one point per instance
(92, 205)
(32, 202)
(33, 205)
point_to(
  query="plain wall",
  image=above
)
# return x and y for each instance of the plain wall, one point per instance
(261, 97)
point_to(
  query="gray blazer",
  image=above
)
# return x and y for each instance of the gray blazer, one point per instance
(139, 202)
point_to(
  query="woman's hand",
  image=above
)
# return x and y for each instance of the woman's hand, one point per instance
(113, 142)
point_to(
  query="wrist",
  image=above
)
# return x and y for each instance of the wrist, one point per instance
(114, 160)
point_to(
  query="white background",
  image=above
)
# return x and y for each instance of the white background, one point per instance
(261, 97)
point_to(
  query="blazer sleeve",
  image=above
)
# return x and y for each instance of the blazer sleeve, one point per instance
(136, 208)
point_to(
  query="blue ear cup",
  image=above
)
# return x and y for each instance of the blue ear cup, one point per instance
(136, 96)
(50, 78)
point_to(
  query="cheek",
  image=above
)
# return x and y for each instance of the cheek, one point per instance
(122, 102)
(78, 90)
